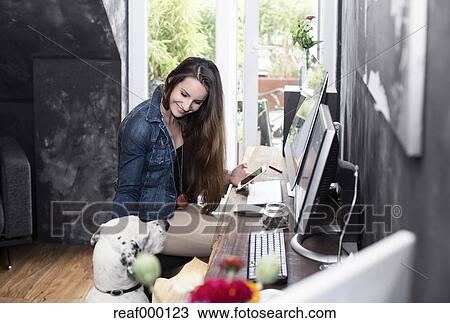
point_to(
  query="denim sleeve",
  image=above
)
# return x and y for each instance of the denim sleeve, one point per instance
(133, 146)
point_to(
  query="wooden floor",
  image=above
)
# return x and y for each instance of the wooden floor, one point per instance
(44, 272)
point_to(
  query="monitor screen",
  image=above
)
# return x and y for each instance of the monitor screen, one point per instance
(300, 130)
(313, 169)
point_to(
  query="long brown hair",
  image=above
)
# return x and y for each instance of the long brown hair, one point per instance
(203, 131)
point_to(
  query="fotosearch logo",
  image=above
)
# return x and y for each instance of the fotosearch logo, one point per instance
(365, 218)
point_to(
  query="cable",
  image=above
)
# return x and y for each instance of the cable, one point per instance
(347, 220)
(334, 201)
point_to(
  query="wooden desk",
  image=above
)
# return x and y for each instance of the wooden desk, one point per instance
(232, 234)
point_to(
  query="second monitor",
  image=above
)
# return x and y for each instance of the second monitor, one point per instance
(317, 172)
(320, 168)
(300, 130)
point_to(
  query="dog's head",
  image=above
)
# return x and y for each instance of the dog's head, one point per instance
(129, 236)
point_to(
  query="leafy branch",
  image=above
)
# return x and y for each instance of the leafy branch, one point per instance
(301, 34)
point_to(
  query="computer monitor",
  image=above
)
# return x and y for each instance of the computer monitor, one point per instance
(379, 273)
(318, 169)
(300, 131)
(317, 172)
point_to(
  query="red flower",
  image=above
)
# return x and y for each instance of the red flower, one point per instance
(232, 263)
(223, 291)
(310, 17)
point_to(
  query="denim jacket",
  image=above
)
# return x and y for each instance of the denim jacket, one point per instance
(146, 182)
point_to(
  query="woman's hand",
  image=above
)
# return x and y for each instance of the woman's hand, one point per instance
(238, 174)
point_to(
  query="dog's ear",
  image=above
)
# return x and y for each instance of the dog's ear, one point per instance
(96, 236)
(109, 228)
(129, 251)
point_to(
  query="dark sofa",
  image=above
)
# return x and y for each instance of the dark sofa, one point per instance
(15, 195)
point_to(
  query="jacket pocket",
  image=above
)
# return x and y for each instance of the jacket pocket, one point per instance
(156, 169)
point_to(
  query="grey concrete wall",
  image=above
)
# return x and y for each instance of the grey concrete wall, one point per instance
(76, 122)
(17, 121)
(48, 29)
(117, 11)
(421, 186)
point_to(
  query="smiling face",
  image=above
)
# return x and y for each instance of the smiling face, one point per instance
(187, 97)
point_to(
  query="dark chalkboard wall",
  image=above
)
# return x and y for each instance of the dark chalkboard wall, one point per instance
(420, 186)
(77, 113)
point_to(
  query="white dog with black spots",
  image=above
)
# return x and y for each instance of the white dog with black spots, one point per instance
(117, 243)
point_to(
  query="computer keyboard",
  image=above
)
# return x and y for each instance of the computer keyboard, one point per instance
(264, 243)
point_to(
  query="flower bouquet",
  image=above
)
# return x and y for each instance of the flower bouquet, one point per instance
(218, 290)
(235, 290)
(301, 36)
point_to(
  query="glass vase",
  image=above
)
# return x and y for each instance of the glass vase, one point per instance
(303, 70)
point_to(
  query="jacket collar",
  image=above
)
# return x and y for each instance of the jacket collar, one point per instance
(154, 111)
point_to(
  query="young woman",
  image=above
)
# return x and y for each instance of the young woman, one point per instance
(171, 147)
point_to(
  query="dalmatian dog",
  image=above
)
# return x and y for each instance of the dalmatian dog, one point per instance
(116, 245)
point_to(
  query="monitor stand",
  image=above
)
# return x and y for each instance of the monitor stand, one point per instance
(298, 239)
(346, 179)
